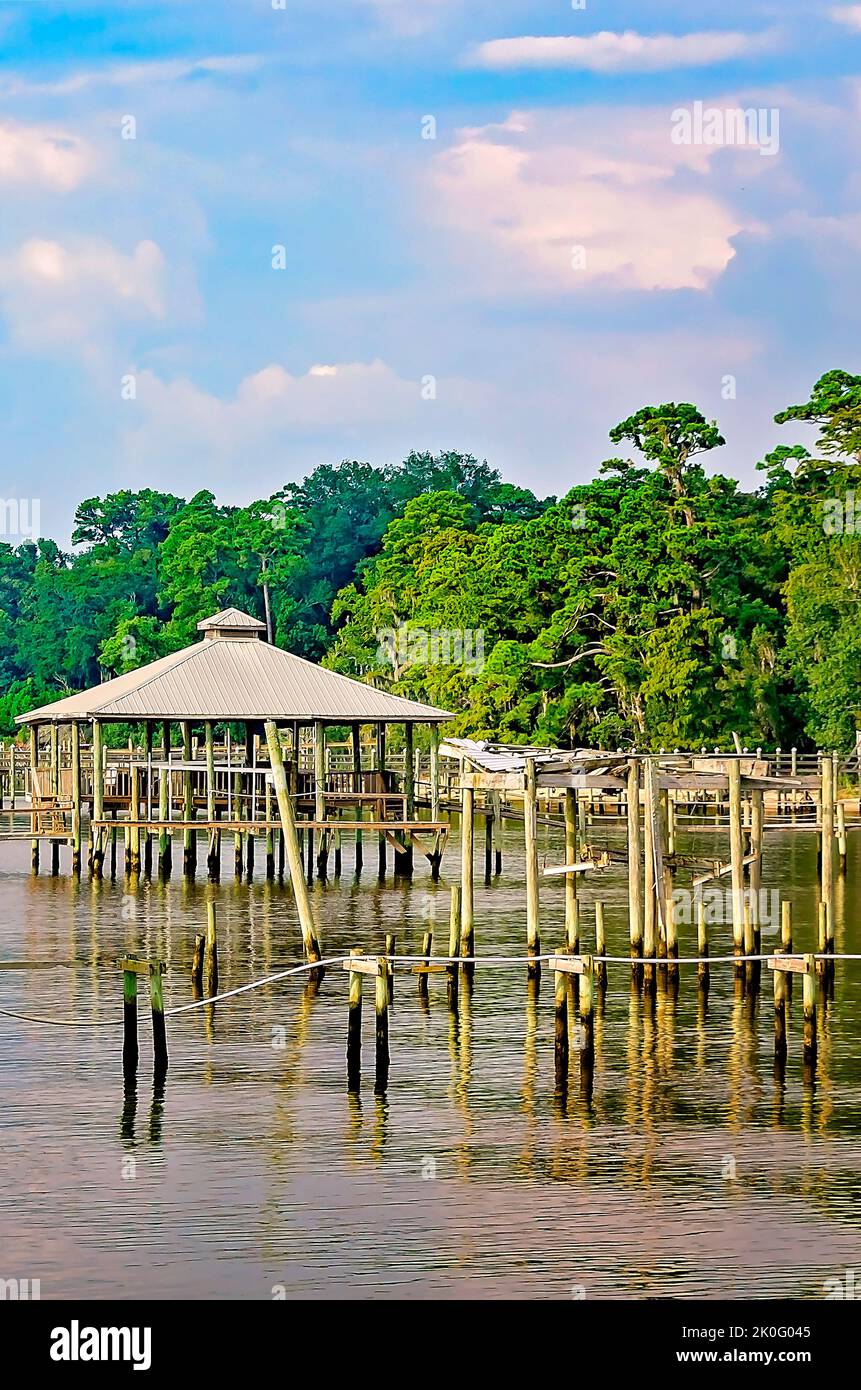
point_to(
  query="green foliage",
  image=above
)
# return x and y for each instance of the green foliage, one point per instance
(655, 605)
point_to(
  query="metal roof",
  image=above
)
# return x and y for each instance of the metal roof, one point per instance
(240, 679)
(232, 618)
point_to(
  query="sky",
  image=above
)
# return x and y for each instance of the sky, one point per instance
(242, 238)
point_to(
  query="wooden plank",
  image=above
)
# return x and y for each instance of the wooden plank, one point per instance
(568, 965)
(139, 967)
(797, 965)
(364, 965)
(581, 867)
(720, 870)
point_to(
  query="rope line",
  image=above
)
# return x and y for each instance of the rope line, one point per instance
(308, 966)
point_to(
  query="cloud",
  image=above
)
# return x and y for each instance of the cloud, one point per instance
(558, 201)
(849, 15)
(625, 52)
(409, 18)
(43, 156)
(59, 295)
(134, 75)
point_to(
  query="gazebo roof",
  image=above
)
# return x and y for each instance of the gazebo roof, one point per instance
(237, 677)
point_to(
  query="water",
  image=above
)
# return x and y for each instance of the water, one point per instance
(692, 1171)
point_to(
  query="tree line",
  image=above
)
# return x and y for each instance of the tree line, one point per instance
(659, 604)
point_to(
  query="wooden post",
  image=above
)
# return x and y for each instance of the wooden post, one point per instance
(841, 834)
(635, 868)
(672, 938)
(133, 861)
(97, 835)
(427, 951)
(434, 771)
(530, 825)
(159, 1035)
(189, 838)
(381, 769)
(600, 946)
(164, 805)
(320, 796)
(391, 945)
(130, 1024)
(453, 945)
(560, 1001)
(356, 742)
(291, 842)
(381, 1004)
(488, 845)
(34, 763)
(496, 799)
(650, 886)
(55, 762)
(354, 1027)
(76, 797)
(270, 840)
(237, 816)
(827, 845)
(467, 928)
(409, 795)
(755, 869)
(780, 1000)
(808, 988)
(736, 849)
(211, 950)
(572, 929)
(702, 943)
(587, 1013)
(197, 962)
(214, 836)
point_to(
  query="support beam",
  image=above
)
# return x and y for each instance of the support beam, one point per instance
(635, 867)
(76, 797)
(97, 836)
(736, 848)
(164, 842)
(291, 842)
(189, 836)
(530, 827)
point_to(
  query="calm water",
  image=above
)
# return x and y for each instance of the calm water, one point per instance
(471, 1177)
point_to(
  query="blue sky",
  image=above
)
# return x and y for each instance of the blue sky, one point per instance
(548, 262)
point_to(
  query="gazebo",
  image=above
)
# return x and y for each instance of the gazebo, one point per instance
(230, 677)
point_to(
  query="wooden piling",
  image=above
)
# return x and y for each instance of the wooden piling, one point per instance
(406, 865)
(453, 945)
(530, 823)
(827, 844)
(391, 946)
(560, 999)
(467, 928)
(130, 1024)
(159, 1032)
(600, 946)
(354, 1027)
(381, 1006)
(572, 927)
(211, 949)
(635, 867)
(213, 858)
(434, 772)
(427, 951)
(496, 801)
(320, 795)
(841, 835)
(780, 1000)
(237, 834)
(164, 792)
(34, 763)
(587, 1012)
(189, 836)
(381, 767)
(488, 845)
(672, 938)
(702, 944)
(736, 846)
(197, 962)
(133, 865)
(76, 797)
(97, 834)
(808, 987)
(291, 842)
